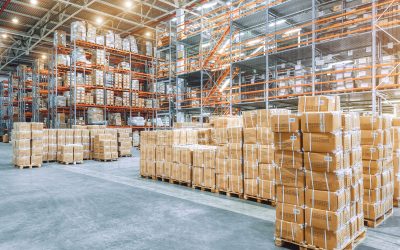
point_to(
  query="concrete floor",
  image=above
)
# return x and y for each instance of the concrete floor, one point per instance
(108, 206)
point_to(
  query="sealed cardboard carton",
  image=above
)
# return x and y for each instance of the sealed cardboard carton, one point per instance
(323, 162)
(372, 181)
(251, 187)
(198, 176)
(285, 123)
(235, 135)
(318, 103)
(266, 189)
(264, 136)
(288, 141)
(209, 177)
(325, 239)
(265, 154)
(250, 152)
(325, 181)
(266, 172)
(289, 159)
(322, 142)
(236, 183)
(325, 200)
(289, 212)
(372, 167)
(322, 219)
(250, 135)
(321, 122)
(250, 170)
(370, 122)
(290, 195)
(372, 137)
(290, 177)
(289, 231)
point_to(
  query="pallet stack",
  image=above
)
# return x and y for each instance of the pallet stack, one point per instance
(203, 171)
(124, 142)
(396, 160)
(258, 156)
(71, 154)
(377, 169)
(181, 172)
(290, 179)
(228, 137)
(105, 147)
(148, 142)
(27, 144)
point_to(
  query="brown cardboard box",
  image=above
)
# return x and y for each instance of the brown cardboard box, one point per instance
(223, 151)
(290, 195)
(151, 168)
(209, 177)
(372, 211)
(36, 160)
(235, 135)
(266, 154)
(396, 121)
(198, 176)
(355, 138)
(250, 119)
(370, 122)
(323, 162)
(143, 169)
(285, 123)
(322, 142)
(372, 167)
(289, 159)
(371, 137)
(250, 135)
(289, 231)
(175, 171)
(321, 122)
(324, 200)
(290, 213)
(160, 168)
(325, 181)
(221, 166)
(251, 187)
(222, 182)
(210, 156)
(236, 184)
(372, 195)
(290, 177)
(167, 169)
(372, 181)
(220, 135)
(372, 152)
(160, 153)
(266, 172)
(321, 238)
(234, 167)
(264, 136)
(250, 170)
(185, 173)
(328, 220)
(186, 155)
(288, 141)
(318, 103)
(250, 152)
(266, 189)
(235, 151)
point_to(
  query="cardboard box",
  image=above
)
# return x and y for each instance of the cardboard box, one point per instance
(235, 135)
(167, 169)
(175, 171)
(209, 178)
(285, 123)
(322, 142)
(323, 162)
(249, 119)
(325, 181)
(185, 173)
(234, 167)
(372, 152)
(318, 103)
(288, 141)
(372, 181)
(266, 189)
(290, 177)
(250, 152)
(266, 172)
(250, 170)
(266, 154)
(321, 122)
(289, 213)
(370, 122)
(289, 159)
(321, 238)
(198, 176)
(372, 167)
(236, 184)
(289, 231)
(290, 195)
(160, 168)
(372, 137)
(265, 136)
(372, 195)
(250, 135)
(324, 200)
(251, 187)
(328, 220)
(235, 151)
(221, 182)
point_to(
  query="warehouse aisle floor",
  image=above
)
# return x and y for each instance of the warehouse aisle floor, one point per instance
(99, 205)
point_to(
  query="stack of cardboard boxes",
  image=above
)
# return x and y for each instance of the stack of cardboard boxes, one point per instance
(27, 144)
(71, 153)
(148, 142)
(105, 147)
(182, 157)
(290, 179)
(204, 159)
(377, 167)
(396, 159)
(227, 135)
(124, 142)
(258, 155)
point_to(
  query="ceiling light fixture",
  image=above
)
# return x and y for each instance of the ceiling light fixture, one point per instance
(99, 20)
(4, 35)
(34, 2)
(15, 20)
(148, 34)
(44, 57)
(128, 4)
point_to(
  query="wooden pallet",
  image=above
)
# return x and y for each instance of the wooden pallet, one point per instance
(379, 220)
(259, 200)
(106, 160)
(50, 161)
(162, 178)
(70, 163)
(27, 166)
(127, 155)
(183, 183)
(204, 189)
(350, 245)
(229, 193)
(149, 177)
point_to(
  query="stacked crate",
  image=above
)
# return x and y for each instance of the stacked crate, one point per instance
(124, 142)
(86, 144)
(71, 154)
(182, 157)
(290, 179)
(203, 171)
(52, 145)
(45, 145)
(227, 135)
(328, 210)
(148, 141)
(105, 147)
(396, 159)
(27, 144)
(258, 156)
(377, 168)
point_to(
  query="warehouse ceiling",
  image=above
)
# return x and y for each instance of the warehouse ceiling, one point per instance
(27, 26)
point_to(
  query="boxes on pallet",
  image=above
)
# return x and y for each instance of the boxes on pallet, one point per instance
(27, 144)
(105, 147)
